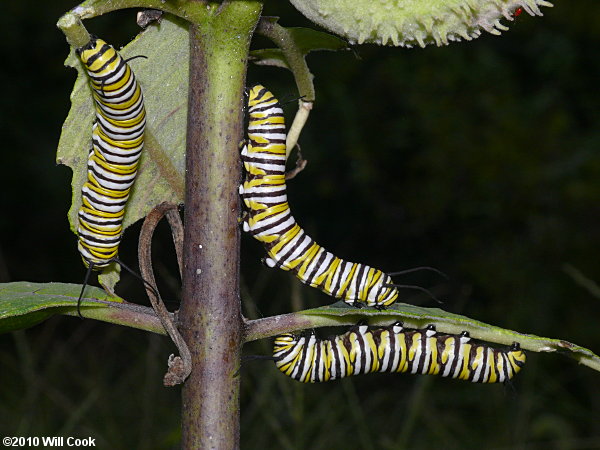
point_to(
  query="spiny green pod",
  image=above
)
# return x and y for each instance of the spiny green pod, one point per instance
(407, 23)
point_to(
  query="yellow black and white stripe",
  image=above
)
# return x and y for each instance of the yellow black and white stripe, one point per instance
(270, 220)
(117, 142)
(394, 349)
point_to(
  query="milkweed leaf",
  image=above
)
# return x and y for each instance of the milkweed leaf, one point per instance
(25, 304)
(306, 40)
(269, 57)
(309, 40)
(341, 314)
(419, 317)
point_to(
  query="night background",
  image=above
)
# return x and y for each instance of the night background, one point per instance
(480, 159)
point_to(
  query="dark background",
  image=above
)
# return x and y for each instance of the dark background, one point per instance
(480, 159)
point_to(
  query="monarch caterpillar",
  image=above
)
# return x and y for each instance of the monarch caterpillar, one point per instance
(394, 349)
(117, 142)
(270, 220)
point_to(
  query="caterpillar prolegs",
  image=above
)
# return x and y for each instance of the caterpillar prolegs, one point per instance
(270, 219)
(392, 349)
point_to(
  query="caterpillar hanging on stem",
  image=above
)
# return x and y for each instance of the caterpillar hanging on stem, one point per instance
(270, 219)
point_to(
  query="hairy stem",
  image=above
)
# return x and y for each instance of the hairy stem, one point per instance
(210, 316)
(71, 26)
(194, 11)
(293, 55)
(297, 63)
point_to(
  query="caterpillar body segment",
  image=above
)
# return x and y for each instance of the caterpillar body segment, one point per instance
(117, 143)
(270, 219)
(392, 349)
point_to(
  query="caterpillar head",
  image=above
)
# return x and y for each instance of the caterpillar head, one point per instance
(382, 294)
(90, 49)
(517, 356)
(259, 99)
(407, 23)
(287, 353)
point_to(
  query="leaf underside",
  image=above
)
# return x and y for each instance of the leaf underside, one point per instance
(163, 76)
(446, 322)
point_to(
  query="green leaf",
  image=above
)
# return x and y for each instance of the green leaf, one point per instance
(269, 57)
(305, 39)
(109, 277)
(309, 40)
(25, 304)
(416, 317)
(163, 77)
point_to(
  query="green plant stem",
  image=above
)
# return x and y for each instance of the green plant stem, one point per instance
(24, 304)
(293, 54)
(143, 318)
(288, 323)
(71, 26)
(127, 314)
(193, 11)
(296, 61)
(210, 314)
